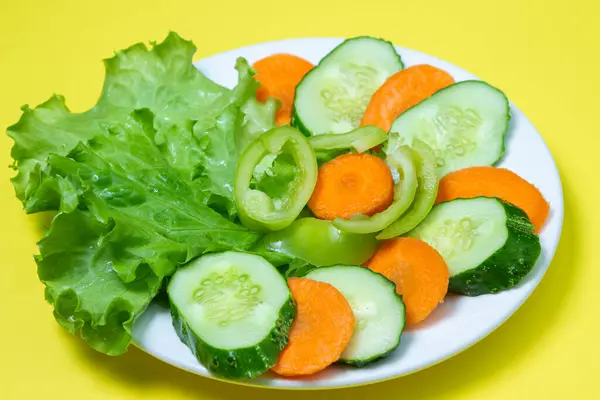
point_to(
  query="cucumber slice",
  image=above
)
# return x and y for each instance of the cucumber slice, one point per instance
(427, 188)
(464, 124)
(379, 311)
(234, 311)
(488, 244)
(333, 96)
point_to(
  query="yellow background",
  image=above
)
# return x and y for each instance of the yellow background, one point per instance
(544, 54)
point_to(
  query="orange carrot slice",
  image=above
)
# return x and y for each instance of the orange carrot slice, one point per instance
(351, 184)
(495, 182)
(321, 331)
(419, 272)
(401, 91)
(278, 75)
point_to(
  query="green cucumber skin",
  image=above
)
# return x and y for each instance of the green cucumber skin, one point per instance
(296, 121)
(366, 361)
(521, 250)
(244, 363)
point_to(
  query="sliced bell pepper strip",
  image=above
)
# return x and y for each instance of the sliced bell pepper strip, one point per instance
(330, 145)
(427, 189)
(361, 139)
(256, 209)
(320, 243)
(401, 159)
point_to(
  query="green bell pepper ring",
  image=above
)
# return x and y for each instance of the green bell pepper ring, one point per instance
(319, 243)
(404, 193)
(256, 209)
(427, 189)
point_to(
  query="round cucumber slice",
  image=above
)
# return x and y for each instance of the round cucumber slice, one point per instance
(378, 310)
(333, 96)
(464, 124)
(233, 310)
(488, 244)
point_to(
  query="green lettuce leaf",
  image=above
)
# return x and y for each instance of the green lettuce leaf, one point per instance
(163, 80)
(142, 183)
(127, 220)
(207, 155)
(124, 174)
(274, 175)
(76, 263)
(298, 268)
(258, 118)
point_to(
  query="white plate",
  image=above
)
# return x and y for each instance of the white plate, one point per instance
(456, 324)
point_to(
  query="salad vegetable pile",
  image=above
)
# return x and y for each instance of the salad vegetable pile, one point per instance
(301, 218)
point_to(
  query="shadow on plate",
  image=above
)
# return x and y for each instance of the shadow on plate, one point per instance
(484, 362)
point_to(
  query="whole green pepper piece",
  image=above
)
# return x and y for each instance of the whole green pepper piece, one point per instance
(256, 209)
(401, 159)
(319, 243)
